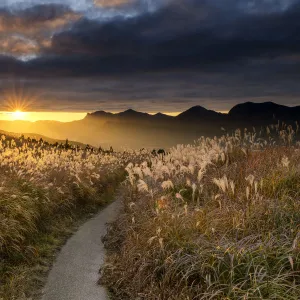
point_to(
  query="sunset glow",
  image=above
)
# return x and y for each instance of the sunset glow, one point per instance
(19, 115)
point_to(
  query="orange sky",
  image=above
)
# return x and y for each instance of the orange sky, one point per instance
(36, 116)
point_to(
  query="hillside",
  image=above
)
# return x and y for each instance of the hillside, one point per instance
(217, 219)
(12, 135)
(45, 194)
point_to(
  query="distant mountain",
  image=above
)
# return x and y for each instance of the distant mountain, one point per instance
(127, 114)
(258, 112)
(199, 113)
(135, 129)
(160, 116)
(100, 114)
(266, 111)
(196, 113)
(132, 114)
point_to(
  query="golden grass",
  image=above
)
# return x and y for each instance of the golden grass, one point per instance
(232, 234)
(33, 228)
(45, 193)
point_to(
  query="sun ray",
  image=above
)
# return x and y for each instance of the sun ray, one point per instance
(19, 98)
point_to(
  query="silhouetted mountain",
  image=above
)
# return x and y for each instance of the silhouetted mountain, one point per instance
(160, 116)
(130, 113)
(266, 111)
(196, 113)
(137, 130)
(199, 113)
(100, 114)
(127, 114)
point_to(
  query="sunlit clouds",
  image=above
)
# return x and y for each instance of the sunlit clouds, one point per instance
(112, 3)
(19, 46)
(24, 34)
(27, 27)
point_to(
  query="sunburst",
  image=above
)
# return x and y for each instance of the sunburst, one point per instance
(19, 115)
(18, 100)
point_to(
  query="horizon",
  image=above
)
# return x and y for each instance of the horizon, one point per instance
(33, 116)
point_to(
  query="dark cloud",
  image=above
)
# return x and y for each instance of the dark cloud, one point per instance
(208, 52)
(163, 91)
(195, 34)
(178, 36)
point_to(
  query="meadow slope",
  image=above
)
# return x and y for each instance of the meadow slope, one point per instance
(45, 192)
(218, 219)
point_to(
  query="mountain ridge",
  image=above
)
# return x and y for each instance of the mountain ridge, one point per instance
(243, 110)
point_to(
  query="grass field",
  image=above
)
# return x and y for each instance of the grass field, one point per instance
(218, 219)
(45, 192)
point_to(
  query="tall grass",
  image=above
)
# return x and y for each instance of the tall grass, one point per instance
(219, 219)
(44, 192)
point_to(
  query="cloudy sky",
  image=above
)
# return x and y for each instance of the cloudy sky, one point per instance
(151, 55)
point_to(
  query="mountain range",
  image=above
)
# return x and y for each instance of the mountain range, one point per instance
(135, 129)
(260, 112)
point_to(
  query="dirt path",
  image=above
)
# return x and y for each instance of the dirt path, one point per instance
(75, 272)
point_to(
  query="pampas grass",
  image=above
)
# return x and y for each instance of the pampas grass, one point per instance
(44, 191)
(227, 227)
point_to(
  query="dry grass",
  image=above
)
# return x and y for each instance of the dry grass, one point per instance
(33, 229)
(232, 233)
(45, 193)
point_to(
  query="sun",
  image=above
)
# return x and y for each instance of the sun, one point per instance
(18, 115)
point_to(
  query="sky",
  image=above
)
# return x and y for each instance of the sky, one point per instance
(149, 55)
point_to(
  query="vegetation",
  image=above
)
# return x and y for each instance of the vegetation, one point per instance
(45, 190)
(218, 219)
(215, 220)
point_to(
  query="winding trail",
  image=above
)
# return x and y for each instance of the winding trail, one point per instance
(75, 272)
